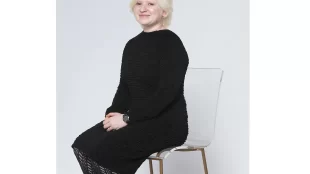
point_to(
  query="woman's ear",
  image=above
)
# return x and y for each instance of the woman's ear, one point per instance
(165, 14)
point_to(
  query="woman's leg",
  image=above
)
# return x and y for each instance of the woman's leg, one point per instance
(89, 166)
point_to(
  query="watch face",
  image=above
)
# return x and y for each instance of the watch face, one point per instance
(126, 118)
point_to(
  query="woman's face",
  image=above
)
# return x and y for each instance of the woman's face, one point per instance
(148, 12)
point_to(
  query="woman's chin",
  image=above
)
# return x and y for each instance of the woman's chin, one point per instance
(143, 22)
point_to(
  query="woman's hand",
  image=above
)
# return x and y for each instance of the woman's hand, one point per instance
(114, 121)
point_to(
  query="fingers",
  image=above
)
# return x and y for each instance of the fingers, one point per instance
(105, 121)
(109, 129)
(110, 123)
(106, 125)
(108, 116)
(111, 114)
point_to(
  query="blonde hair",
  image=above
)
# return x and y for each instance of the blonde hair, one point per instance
(166, 5)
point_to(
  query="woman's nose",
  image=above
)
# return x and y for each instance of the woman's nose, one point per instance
(143, 8)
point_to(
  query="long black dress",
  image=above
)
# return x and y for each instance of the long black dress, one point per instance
(151, 89)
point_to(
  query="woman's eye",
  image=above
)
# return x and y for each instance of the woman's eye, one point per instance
(151, 4)
(138, 3)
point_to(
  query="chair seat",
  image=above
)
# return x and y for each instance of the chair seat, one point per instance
(163, 154)
(197, 143)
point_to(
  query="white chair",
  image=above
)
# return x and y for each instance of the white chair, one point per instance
(201, 91)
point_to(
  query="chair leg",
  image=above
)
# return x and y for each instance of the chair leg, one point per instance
(161, 167)
(151, 166)
(204, 160)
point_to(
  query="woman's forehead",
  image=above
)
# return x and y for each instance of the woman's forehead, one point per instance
(153, 1)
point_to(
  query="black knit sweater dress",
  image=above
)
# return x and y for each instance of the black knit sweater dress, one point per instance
(151, 90)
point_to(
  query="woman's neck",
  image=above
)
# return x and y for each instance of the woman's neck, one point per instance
(153, 28)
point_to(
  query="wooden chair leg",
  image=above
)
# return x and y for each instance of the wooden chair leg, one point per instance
(204, 160)
(161, 167)
(151, 166)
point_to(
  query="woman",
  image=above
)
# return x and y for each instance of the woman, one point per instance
(148, 112)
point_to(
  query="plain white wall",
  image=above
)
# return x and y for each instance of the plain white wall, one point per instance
(91, 36)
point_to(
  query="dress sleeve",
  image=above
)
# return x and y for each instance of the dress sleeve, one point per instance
(121, 98)
(173, 66)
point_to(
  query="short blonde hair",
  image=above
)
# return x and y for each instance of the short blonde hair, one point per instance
(166, 5)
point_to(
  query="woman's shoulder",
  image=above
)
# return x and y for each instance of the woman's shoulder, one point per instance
(171, 39)
(169, 35)
(172, 36)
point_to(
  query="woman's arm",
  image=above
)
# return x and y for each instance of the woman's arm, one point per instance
(173, 66)
(121, 98)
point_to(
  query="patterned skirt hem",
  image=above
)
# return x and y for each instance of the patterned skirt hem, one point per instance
(88, 165)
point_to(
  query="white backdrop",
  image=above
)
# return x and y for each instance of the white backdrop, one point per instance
(91, 36)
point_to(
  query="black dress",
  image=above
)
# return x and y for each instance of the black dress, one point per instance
(151, 89)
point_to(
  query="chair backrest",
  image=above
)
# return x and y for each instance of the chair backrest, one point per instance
(201, 91)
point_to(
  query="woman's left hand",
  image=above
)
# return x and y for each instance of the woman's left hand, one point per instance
(114, 121)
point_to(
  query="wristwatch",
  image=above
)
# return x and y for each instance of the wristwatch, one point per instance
(126, 117)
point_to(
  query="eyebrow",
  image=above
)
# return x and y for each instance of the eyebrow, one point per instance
(149, 1)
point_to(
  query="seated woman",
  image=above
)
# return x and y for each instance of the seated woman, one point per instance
(148, 112)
